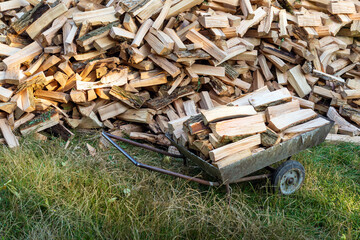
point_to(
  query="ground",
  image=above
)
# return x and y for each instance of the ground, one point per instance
(49, 192)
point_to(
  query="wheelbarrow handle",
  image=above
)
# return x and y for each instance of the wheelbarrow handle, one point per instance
(153, 168)
(141, 145)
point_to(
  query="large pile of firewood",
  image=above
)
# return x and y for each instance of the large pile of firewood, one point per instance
(227, 78)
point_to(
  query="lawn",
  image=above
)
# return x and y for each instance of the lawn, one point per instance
(49, 192)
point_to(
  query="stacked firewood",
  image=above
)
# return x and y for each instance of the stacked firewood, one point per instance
(224, 77)
(248, 125)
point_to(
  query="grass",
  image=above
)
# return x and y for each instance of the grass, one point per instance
(47, 192)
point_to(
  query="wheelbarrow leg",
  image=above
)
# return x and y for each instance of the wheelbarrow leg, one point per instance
(228, 193)
(185, 162)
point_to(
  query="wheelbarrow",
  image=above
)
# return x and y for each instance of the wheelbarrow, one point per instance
(286, 178)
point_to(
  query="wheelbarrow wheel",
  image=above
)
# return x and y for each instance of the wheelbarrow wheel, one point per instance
(288, 177)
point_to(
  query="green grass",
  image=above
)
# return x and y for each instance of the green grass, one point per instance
(47, 192)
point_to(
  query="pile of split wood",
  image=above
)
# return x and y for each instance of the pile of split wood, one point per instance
(222, 76)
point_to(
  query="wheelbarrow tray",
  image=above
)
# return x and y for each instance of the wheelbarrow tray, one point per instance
(237, 170)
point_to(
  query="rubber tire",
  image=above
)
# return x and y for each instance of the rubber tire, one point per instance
(283, 169)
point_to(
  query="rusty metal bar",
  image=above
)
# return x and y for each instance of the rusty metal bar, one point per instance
(251, 178)
(142, 145)
(156, 169)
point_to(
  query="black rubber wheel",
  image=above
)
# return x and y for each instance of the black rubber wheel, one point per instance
(288, 177)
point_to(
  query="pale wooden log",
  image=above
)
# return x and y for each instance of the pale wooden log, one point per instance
(261, 102)
(207, 45)
(264, 68)
(158, 46)
(233, 148)
(226, 112)
(341, 7)
(353, 84)
(164, 12)
(208, 70)
(111, 110)
(190, 108)
(244, 100)
(327, 77)
(156, 80)
(309, 20)
(297, 79)
(238, 127)
(5, 94)
(344, 126)
(45, 20)
(283, 24)
(121, 34)
(9, 136)
(176, 83)
(5, 50)
(326, 92)
(144, 115)
(275, 111)
(129, 23)
(103, 44)
(157, 139)
(182, 6)
(165, 64)
(351, 94)
(179, 45)
(281, 77)
(236, 83)
(279, 64)
(226, 161)
(216, 21)
(206, 102)
(25, 118)
(35, 66)
(53, 96)
(259, 14)
(305, 103)
(12, 4)
(140, 34)
(102, 16)
(308, 126)
(25, 54)
(337, 65)
(8, 107)
(287, 120)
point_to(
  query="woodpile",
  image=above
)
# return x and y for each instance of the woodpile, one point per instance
(226, 78)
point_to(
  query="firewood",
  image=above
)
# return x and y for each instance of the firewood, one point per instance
(270, 138)
(351, 94)
(287, 120)
(144, 115)
(9, 136)
(128, 98)
(298, 81)
(111, 110)
(238, 128)
(226, 112)
(158, 139)
(260, 102)
(233, 148)
(54, 96)
(41, 122)
(275, 111)
(308, 126)
(177, 59)
(226, 161)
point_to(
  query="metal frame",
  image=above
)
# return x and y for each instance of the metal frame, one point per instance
(108, 137)
(153, 168)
